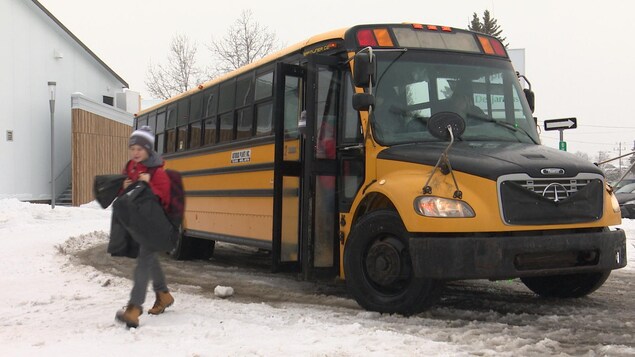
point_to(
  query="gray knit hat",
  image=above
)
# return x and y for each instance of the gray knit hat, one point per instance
(142, 137)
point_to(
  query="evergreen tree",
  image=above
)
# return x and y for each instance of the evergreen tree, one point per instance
(475, 25)
(487, 25)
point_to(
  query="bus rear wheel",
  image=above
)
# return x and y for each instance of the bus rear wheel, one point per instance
(566, 286)
(203, 248)
(192, 248)
(183, 249)
(378, 268)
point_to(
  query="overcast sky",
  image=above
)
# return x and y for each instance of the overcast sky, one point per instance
(579, 57)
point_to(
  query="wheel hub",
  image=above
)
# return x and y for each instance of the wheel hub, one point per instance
(383, 263)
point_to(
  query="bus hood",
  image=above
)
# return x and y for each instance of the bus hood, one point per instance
(492, 159)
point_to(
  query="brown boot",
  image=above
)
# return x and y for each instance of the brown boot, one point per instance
(129, 316)
(163, 301)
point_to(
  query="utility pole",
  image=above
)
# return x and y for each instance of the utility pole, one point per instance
(51, 86)
(619, 150)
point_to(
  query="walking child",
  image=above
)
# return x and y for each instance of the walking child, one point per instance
(146, 165)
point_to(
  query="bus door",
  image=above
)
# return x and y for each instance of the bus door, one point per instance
(319, 233)
(288, 123)
(305, 235)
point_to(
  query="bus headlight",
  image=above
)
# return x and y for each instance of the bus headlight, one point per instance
(615, 204)
(431, 206)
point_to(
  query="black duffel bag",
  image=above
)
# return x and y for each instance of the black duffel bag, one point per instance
(106, 188)
(140, 213)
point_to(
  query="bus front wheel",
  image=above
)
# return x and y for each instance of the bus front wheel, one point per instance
(378, 268)
(566, 286)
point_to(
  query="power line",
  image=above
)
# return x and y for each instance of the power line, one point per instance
(612, 127)
(577, 141)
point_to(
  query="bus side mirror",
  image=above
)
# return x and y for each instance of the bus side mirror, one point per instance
(529, 95)
(364, 69)
(363, 101)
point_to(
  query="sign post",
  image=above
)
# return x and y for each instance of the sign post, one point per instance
(561, 125)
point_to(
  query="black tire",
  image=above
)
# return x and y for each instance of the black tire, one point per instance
(203, 248)
(378, 267)
(566, 286)
(184, 247)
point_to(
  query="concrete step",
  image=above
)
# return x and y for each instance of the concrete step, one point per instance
(66, 197)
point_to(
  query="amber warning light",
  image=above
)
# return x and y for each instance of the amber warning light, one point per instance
(379, 37)
(492, 46)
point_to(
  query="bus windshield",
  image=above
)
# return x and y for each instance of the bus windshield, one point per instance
(414, 85)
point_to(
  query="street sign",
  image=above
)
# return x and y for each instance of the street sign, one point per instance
(561, 124)
(563, 146)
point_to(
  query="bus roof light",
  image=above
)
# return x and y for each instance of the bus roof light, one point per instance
(492, 46)
(383, 37)
(432, 28)
(499, 49)
(366, 38)
(417, 26)
(446, 29)
(487, 46)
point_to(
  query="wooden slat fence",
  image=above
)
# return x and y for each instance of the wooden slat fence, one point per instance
(100, 146)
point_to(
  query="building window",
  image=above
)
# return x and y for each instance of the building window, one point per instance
(109, 100)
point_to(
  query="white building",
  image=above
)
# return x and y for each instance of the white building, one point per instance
(36, 49)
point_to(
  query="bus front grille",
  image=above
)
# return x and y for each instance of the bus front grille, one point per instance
(538, 201)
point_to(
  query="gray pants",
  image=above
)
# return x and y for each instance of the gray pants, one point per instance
(148, 267)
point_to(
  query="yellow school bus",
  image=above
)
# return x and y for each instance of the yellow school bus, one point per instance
(394, 156)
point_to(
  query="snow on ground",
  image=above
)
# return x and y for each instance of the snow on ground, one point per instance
(53, 307)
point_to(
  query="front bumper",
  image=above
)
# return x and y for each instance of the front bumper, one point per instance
(501, 257)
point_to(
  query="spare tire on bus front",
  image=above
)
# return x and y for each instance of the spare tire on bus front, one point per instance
(378, 267)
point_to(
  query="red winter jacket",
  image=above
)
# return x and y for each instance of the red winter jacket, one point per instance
(159, 180)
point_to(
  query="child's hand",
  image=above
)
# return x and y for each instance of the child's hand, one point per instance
(126, 183)
(144, 177)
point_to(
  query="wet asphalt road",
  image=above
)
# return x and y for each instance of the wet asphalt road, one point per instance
(580, 326)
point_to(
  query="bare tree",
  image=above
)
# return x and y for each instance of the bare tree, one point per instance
(583, 155)
(246, 41)
(179, 74)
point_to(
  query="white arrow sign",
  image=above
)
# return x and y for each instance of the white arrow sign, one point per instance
(557, 124)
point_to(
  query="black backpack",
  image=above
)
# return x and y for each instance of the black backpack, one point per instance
(176, 207)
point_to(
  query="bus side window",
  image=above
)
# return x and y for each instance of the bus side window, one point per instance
(182, 120)
(195, 124)
(170, 134)
(160, 130)
(226, 127)
(291, 104)
(244, 123)
(264, 119)
(244, 109)
(264, 105)
(141, 121)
